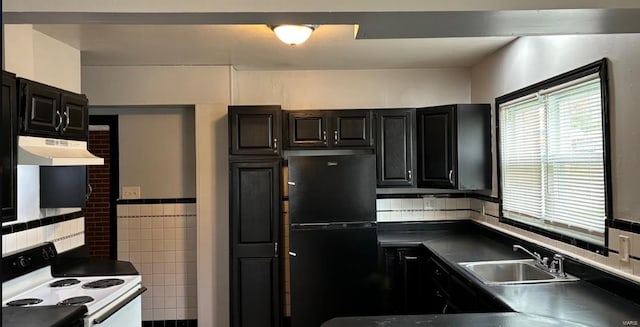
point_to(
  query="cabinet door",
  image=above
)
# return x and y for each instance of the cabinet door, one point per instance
(255, 235)
(351, 128)
(63, 186)
(307, 129)
(40, 107)
(437, 148)
(395, 147)
(254, 130)
(75, 117)
(8, 146)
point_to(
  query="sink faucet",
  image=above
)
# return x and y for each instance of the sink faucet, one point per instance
(540, 261)
(557, 265)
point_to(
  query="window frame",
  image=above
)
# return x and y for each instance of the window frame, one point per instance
(599, 67)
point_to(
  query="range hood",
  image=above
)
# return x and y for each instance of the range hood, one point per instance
(54, 152)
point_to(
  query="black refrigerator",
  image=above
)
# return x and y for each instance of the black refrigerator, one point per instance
(333, 243)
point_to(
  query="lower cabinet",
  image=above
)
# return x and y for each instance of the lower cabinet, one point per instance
(453, 293)
(254, 241)
(418, 282)
(407, 287)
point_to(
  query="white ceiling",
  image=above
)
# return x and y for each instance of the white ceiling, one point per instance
(255, 47)
(392, 34)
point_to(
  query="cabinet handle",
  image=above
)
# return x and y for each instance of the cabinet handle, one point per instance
(324, 137)
(66, 124)
(451, 177)
(275, 145)
(410, 175)
(275, 248)
(410, 258)
(293, 254)
(59, 121)
(335, 137)
(88, 193)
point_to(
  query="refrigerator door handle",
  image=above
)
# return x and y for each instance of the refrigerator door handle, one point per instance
(293, 254)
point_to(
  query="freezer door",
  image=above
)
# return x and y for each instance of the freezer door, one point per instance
(330, 189)
(333, 274)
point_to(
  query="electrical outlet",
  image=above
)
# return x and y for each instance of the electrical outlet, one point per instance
(131, 192)
(624, 248)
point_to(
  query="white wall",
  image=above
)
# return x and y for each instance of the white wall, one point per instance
(155, 85)
(336, 89)
(533, 59)
(156, 149)
(33, 55)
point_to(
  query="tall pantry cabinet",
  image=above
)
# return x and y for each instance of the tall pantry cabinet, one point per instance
(255, 214)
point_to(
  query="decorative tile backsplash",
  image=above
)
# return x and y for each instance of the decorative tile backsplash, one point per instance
(160, 240)
(486, 213)
(422, 209)
(65, 235)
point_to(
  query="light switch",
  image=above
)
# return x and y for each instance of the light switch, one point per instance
(131, 192)
(624, 248)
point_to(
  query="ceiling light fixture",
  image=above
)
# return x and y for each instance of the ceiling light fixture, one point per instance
(293, 34)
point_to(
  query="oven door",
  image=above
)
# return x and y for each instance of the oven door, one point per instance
(124, 311)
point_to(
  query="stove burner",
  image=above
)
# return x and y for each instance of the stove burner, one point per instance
(76, 300)
(64, 282)
(23, 302)
(103, 283)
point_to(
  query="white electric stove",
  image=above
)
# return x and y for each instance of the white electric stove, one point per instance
(110, 300)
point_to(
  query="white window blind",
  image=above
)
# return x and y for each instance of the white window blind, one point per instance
(552, 159)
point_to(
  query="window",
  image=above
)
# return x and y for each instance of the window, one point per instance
(554, 157)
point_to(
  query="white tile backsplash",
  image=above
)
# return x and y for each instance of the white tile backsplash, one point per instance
(161, 242)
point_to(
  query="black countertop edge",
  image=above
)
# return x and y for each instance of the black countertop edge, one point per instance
(18, 227)
(42, 316)
(156, 201)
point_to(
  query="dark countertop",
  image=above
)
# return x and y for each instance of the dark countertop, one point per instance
(42, 316)
(453, 320)
(93, 267)
(579, 302)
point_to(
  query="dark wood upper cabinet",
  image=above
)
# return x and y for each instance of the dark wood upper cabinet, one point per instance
(255, 130)
(308, 128)
(329, 128)
(8, 146)
(50, 112)
(255, 235)
(75, 116)
(395, 147)
(352, 128)
(454, 147)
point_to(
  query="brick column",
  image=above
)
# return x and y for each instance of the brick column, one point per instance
(97, 217)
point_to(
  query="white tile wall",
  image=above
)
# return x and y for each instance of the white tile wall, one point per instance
(422, 209)
(611, 263)
(160, 240)
(65, 235)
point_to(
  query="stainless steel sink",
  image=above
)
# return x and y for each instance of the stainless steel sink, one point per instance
(512, 272)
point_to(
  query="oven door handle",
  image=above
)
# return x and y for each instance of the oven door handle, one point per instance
(119, 306)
